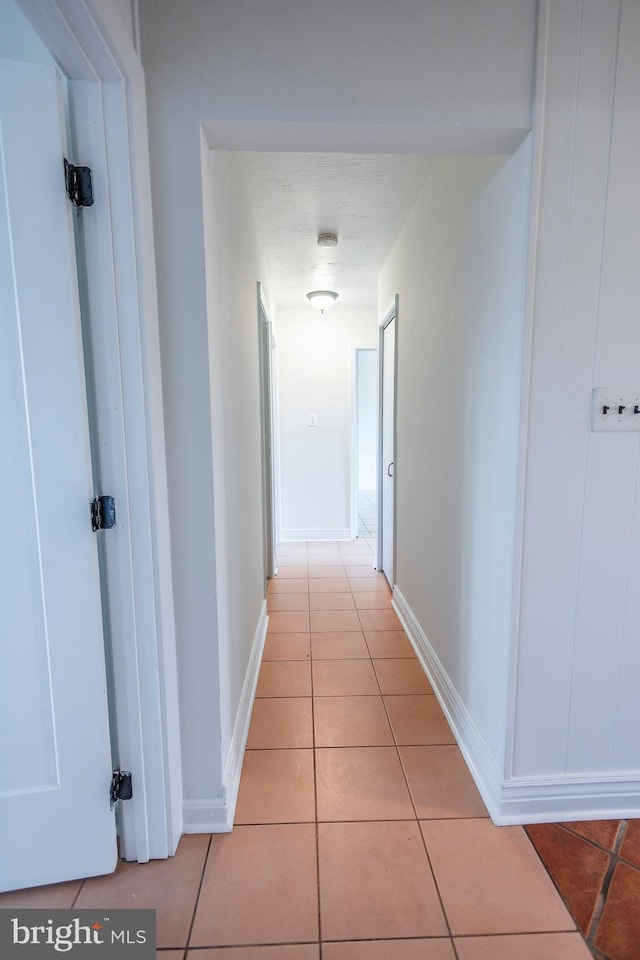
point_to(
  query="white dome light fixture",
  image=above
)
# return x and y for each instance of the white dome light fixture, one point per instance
(322, 299)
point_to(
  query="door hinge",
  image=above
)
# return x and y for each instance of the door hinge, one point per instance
(121, 787)
(103, 513)
(79, 184)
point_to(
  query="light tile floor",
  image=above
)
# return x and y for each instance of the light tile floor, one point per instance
(359, 834)
(367, 513)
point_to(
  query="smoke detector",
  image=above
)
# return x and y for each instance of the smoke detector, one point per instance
(327, 240)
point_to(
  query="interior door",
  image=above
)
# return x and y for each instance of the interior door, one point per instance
(386, 508)
(55, 766)
(266, 410)
(365, 447)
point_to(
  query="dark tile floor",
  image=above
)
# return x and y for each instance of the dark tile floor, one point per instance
(596, 868)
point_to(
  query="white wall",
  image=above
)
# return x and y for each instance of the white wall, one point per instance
(177, 190)
(234, 265)
(128, 12)
(217, 667)
(459, 270)
(577, 710)
(367, 405)
(251, 63)
(315, 363)
(18, 39)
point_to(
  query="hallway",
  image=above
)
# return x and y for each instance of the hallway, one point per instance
(350, 764)
(367, 515)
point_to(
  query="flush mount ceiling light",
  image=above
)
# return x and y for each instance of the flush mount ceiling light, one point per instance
(322, 299)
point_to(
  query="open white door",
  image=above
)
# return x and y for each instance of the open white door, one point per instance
(386, 485)
(265, 338)
(55, 766)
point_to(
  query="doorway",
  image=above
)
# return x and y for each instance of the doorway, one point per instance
(365, 446)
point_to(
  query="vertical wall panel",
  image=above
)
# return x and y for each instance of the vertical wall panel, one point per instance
(601, 686)
(619, 306)
(627, 719)
(575, 113)
(619, 329)
(600, 606)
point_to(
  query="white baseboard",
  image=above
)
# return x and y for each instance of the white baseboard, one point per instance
(565, 798)
(208, 815)
(216, 815)
(519, 799)
(233, 767)
(479, 759)
(295, 536)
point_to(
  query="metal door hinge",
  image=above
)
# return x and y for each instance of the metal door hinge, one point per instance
(79, 184)
(121, 787)
(103, 513)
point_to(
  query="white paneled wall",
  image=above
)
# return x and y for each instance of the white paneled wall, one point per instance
(577, 711)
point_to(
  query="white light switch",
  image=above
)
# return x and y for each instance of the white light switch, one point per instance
(313, 419)
(615, 410)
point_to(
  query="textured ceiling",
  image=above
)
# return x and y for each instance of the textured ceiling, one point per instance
(363, 198)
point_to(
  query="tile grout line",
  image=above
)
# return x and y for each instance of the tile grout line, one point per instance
(415, 813)
(605, 887)
(614, 858)
(198, 892)
(315, 795)
(252, 945)
(315, 776)
(395, 744)
(594, 843)
(557, 888)
(80, 889)
(417, 820)
(369, 658)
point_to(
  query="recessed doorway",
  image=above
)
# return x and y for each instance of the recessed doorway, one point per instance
(365, 452)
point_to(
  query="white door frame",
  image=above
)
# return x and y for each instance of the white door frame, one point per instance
(107, 96)
(390, 314)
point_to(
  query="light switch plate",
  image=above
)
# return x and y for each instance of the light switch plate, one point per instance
(613, 409)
